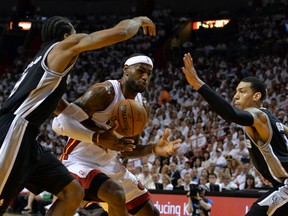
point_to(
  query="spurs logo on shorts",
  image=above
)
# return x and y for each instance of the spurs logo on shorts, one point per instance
(248, 143)
(275, 200)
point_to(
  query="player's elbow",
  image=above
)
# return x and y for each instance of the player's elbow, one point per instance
(57, 126)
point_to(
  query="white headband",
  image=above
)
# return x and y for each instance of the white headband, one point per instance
(139, 59)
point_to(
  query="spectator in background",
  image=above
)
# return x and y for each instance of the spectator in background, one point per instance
(212, 183)
(205, 173)
(146, 178)
(230, 150)
(242, 152)
(157, 182)
(187, 181)
(185, 145)
(198, 204)
(203, 180)
(236, 167)
(197, 165)
(138, 172)
(198, 140)
(206, 161)
(249, 183)
(174, 173)
(219, 160)
(194, 175)
(166, 182)
(240, 178)
(227, 183)
(164, 96)
(187, 169)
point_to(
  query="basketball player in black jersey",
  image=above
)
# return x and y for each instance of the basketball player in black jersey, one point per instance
(24, 162)
(266, 137)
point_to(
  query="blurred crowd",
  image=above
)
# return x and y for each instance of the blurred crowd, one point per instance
(212, 151)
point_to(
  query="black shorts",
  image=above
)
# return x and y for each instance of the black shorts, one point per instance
(271, 203)
(25, 163)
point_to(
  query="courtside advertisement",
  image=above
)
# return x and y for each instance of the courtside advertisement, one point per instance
(175, 205)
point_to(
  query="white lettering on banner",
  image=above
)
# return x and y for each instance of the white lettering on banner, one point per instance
(185, 212)
(170, 209)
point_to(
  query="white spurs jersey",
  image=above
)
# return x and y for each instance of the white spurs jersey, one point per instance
(85, 153)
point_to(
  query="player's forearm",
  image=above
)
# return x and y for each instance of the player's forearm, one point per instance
(124, 30)
(130, 26)
(224, 109)
(139, 151)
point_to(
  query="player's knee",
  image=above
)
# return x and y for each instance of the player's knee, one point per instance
(73, 191)
(118, 195)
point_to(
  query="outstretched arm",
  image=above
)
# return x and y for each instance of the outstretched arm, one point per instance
(217, 102)
(65, 52)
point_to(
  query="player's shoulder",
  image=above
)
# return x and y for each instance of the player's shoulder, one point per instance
(258, 114)
(105, 87)
(255, 111)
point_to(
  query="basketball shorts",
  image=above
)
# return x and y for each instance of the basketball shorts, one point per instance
(136, 194)
(26, 164)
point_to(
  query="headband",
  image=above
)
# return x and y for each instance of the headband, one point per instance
(139, 59)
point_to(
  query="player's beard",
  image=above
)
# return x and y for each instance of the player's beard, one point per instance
(134, 87)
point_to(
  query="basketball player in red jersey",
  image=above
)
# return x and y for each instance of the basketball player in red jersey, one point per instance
(97, 169)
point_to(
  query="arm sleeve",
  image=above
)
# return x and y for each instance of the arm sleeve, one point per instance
(67, 123)
(224, 109)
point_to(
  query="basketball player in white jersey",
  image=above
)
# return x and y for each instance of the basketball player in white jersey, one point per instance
(95, 167)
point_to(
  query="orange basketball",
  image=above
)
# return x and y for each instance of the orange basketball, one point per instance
(131, 117)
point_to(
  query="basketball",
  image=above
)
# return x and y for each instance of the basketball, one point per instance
(131, 117)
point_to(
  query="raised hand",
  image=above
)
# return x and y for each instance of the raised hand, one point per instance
(165, 147)
(190, 72)
(112, 140)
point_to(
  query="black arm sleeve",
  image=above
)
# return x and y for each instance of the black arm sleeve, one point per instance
(224, 109)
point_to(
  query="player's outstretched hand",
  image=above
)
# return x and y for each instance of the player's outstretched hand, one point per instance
(190, 72)
(165, 147)
(148, 26)
(111, 140)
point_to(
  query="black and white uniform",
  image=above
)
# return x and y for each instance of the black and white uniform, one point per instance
(271, 160)
(24, 162)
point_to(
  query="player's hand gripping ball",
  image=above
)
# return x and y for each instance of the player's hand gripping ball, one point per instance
(131, 117)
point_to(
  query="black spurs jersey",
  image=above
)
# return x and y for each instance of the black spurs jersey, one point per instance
(271, 158)
(38, 91)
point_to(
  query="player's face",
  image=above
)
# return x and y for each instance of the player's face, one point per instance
(139, 77)
(244, 96)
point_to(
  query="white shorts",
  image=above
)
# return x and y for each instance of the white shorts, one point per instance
(136, 194)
